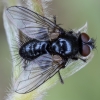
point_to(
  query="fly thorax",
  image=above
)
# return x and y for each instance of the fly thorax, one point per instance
(64, 47)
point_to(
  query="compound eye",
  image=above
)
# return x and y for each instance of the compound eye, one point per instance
(84, 37)
(85, 50)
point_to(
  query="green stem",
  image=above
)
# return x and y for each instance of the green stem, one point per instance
(11, 33)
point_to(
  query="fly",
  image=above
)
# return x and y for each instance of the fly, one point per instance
(47, 47)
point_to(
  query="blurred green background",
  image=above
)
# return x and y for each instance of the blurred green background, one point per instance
(83, 85)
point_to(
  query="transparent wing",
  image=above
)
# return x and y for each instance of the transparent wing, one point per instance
(34, 74)
(30, 23)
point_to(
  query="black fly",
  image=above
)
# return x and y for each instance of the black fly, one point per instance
(47, 47)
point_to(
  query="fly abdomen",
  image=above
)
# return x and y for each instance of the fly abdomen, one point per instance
(33, 49)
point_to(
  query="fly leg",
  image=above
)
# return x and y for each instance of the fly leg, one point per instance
(55, 32)
(76, 58)
(61, 64)
(61, 80)
(54, 18)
